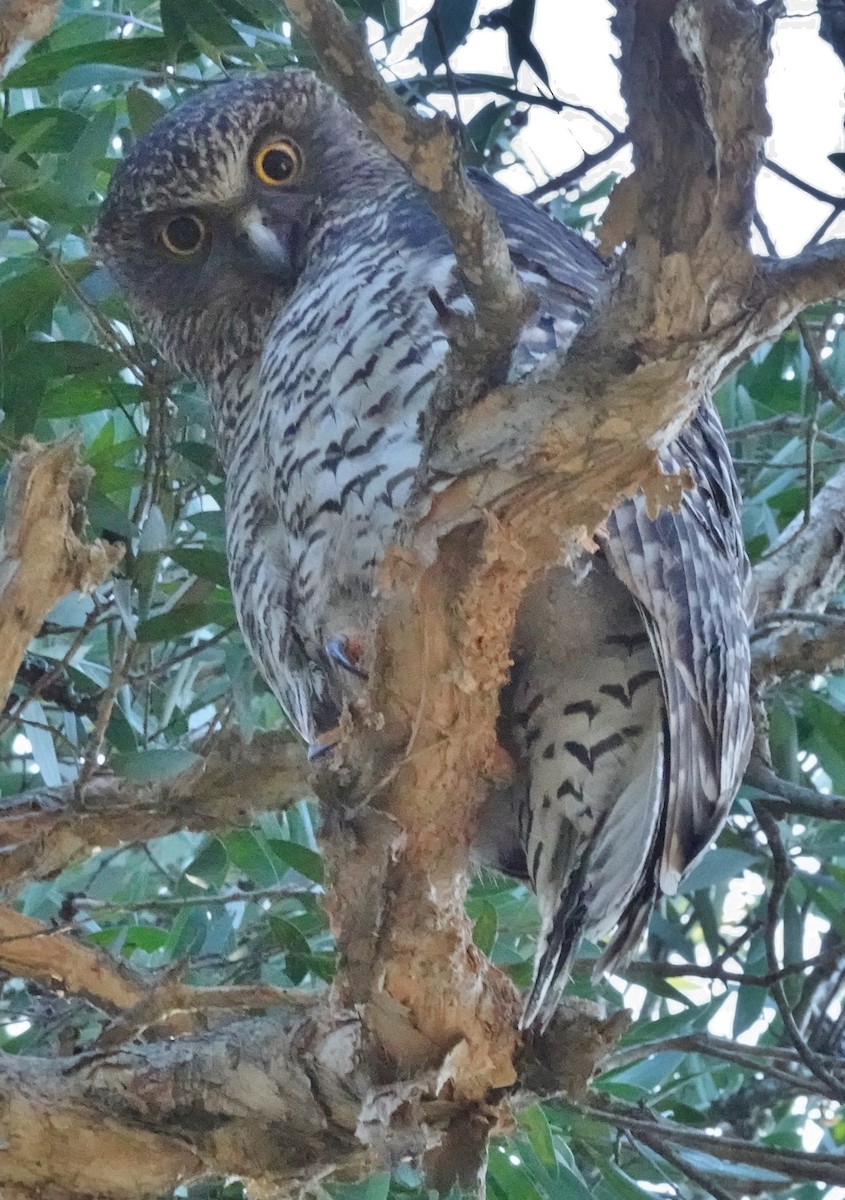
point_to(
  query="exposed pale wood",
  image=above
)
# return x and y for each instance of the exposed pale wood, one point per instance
(42, 557)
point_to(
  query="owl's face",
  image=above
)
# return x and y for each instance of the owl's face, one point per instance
(206, 221)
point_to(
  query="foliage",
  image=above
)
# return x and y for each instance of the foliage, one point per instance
(141, 677)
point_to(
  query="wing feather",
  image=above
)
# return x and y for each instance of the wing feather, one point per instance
(690, 576)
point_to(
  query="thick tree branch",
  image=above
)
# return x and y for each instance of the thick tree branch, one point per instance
(805, 568)
(802, 574)
(242, 1101)
(429, 150)
(41, 555)
(35, 951)
(275, 1100)
(811, 277)
(42, 831)
(798, 647)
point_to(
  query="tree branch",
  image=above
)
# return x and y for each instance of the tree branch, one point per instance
(792, 1164)
(41, 556)
(275, 1100)
(41, 832)
(33, 950)
(807, 565)
(430, 152)
(780, 798)
(815, 275)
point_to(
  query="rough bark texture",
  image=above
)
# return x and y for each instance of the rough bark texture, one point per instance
(43, 831)
(23, 22)
(415, 1053)
(41, 555)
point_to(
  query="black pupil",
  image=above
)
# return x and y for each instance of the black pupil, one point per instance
(184, 233)
(278, 164)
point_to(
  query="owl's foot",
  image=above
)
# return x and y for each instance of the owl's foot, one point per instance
(346, 652)
(500, 767)
(323, 744)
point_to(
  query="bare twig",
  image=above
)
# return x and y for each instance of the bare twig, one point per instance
(838, 202)
(780, 881)
(793, 1164)
(786, 423)
(706, 1183)
(566, 179)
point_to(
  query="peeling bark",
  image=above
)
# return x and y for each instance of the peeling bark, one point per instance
(41, 555)
(415, 1052)
(23, 22)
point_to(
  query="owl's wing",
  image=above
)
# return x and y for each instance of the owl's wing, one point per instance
(691, 578)
(560, 268)
(543, 248)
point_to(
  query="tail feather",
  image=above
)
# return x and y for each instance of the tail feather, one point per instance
(554, 961)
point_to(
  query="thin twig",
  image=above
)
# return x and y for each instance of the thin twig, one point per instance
(780, 879)
(838, 202)
(574, 174)
(794, 1164)
(705, 1182)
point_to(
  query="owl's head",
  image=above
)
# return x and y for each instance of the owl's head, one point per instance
(206, 220)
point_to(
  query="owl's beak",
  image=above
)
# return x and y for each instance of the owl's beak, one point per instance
(274, 237)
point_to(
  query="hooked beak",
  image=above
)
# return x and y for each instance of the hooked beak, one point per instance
(275, 236)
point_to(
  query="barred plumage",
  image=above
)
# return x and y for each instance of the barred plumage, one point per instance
(312, 309)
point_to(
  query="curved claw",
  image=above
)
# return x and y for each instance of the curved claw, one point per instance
(345, 652)
(324, 743)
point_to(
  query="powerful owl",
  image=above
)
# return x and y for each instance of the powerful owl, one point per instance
(277, 252)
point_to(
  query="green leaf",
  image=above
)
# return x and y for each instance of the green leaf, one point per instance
(287, 937)
(486, 927)
(44, 130)
(146, 938)
(453, 18)
(307, 862)
(249, 854)
(41, 69)
(750, 1002)
(717, 866)
(143, 110)
(619, 1184)
(149, 766)
(205, 563)
(211, 865)
(534, 1123)
(376, 1187)
(184, 619)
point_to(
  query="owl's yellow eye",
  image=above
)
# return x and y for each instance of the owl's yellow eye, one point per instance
(277, 162)
(183, 235)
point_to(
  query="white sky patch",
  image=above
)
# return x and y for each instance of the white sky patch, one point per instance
(21, 745)
(15, 1028)
(806, 98)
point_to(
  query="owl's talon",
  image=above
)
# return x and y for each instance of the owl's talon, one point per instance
(323, 744)
(346, 652)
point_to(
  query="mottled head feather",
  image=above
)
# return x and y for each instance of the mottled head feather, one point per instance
(208, 312)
